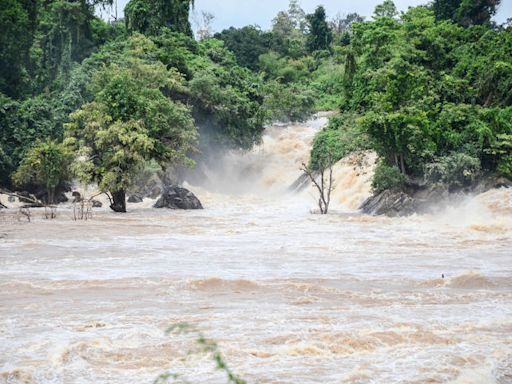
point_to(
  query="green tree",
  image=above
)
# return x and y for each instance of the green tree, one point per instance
(320, 34)
(17, 18)
(503, 147)
(130, 121)
(386, 9)
(446, 9)
(289, 29)
(466, 12)
(387, 177)
(46, 163)
(476, 12)
(64, 36)
(150, 16)
(247, 43)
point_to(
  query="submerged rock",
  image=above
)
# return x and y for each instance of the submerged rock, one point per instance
(135, 198)
(77, 197)
(175, 197)
(154, 192)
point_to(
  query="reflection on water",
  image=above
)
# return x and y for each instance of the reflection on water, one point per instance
(290, 297)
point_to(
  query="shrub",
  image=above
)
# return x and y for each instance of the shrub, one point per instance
(46, 163)
(288, 103)
(456, 170)
(387, 177)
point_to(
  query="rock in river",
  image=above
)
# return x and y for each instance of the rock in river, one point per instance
(390, 203)
(175, 197)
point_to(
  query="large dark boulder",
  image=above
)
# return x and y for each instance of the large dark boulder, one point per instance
(175, 197)
(77, 197)
(389, 203)
(426, 198)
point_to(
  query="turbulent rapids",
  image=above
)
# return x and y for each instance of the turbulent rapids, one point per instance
(290, 297)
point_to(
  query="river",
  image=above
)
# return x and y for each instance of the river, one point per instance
(289, 296)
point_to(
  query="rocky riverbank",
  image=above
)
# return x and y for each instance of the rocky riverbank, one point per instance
(426, 198)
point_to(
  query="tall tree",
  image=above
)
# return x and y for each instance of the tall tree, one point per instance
(130, 121)
(17, 18)
(297, 16)
(343, 23)
(386, 9)
(476, 12)
(247, 43)
(320, 34)
(445, 9)
(466, 12)
(150, 16)
(288, 31)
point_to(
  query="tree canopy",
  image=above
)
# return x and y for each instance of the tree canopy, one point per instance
(429, 90)
(151, 16)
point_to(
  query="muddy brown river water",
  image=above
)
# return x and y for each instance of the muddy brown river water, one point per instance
(290, 296)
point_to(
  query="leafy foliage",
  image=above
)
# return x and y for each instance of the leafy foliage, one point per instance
(204, 346)
(429, 90)
(341, 137)
(386, 9)
(422, 90)
(387, 177)
(150, 16)
(455, 170)
(130, 121)
(247, 44)
(320, 35)
(47, 163)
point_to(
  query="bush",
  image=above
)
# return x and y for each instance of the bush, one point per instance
(288, 103)
(387, 177)
(46, 163)
(456, 170)
(505, 166)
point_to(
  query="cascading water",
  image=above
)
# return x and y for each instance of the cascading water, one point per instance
(289, 296)
(272, 167)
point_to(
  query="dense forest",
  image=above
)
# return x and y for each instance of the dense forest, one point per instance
(430, 90)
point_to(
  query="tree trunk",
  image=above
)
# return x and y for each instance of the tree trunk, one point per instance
(118, 201)
(402, 164)
(50, 196)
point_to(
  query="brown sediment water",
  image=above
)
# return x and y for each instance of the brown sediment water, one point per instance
(290, 297)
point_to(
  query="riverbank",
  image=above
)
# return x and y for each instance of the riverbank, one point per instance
(428, 198)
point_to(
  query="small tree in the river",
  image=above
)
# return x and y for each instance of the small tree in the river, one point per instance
(322, 180)
(130, 121)
(46, 163)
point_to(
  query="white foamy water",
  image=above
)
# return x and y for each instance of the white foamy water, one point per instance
(290, 297)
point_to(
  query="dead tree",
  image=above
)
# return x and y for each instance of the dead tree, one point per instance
(323, 182)
(82, 207)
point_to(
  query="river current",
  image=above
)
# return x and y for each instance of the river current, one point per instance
(289, 296)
